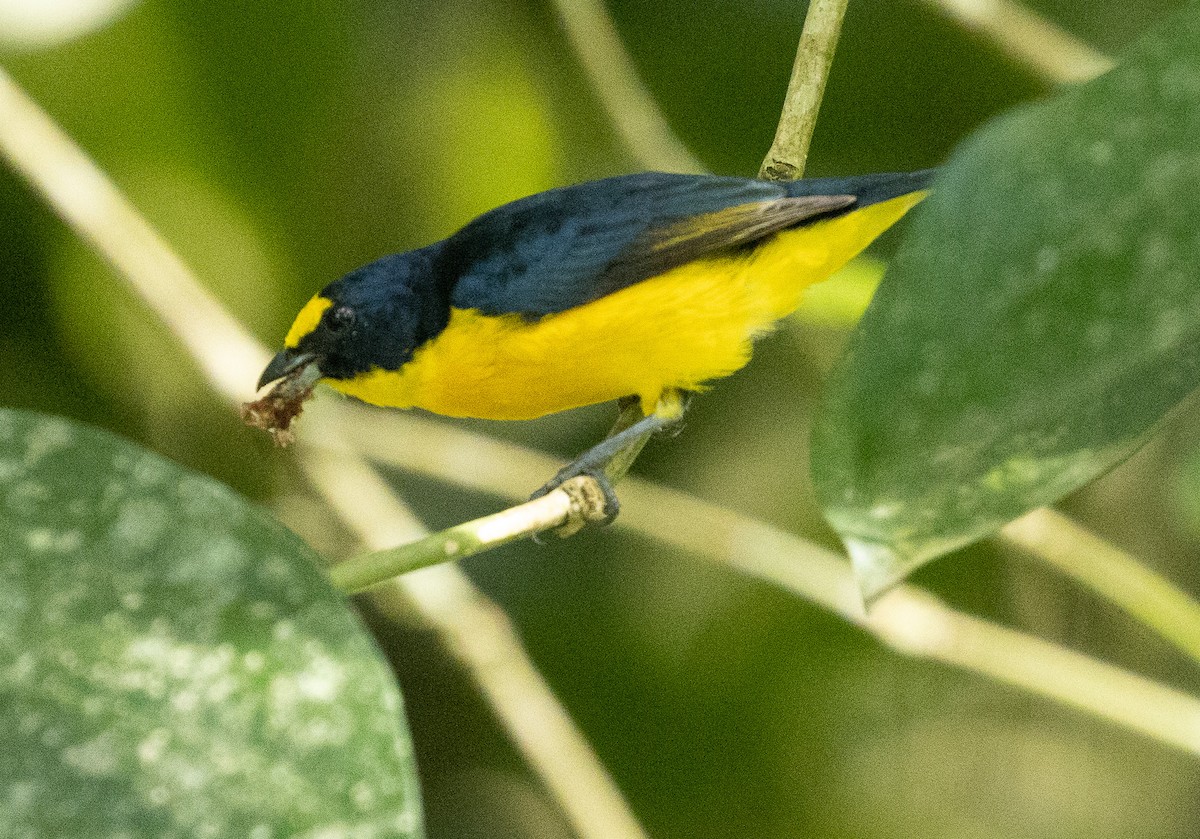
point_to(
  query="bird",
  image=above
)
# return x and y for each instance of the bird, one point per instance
(642, 289)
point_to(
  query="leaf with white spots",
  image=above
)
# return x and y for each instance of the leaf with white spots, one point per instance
(174, 664)
(1041, 317)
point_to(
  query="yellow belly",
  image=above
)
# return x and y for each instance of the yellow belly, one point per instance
(680, 329)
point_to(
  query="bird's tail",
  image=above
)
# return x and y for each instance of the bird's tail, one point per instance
(797, 258)
(868, 189)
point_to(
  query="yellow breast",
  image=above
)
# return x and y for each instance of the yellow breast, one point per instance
(680, 329)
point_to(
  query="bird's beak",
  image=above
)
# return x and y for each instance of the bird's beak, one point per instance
(283, 364)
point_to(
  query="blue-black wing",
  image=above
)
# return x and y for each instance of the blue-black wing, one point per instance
(559, 249)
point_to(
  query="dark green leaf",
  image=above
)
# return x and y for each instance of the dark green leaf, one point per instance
(174, 664)
(1043, 314)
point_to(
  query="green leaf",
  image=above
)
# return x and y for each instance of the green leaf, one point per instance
(1042, 315)
(174, 664)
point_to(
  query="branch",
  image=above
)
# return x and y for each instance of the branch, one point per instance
(1027, 37)
(571, 506)
(615, 79)
(814, 55)
(231, 359)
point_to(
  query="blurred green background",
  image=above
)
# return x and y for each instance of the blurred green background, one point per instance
(278, 146)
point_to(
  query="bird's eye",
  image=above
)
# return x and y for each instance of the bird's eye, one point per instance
(342, 317)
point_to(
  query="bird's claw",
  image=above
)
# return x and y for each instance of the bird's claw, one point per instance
(612, 505)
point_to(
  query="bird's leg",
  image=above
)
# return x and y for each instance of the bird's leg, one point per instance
(609, 460)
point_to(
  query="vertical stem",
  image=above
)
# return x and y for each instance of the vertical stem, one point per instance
(814, 55)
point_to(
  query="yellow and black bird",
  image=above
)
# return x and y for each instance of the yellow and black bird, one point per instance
(646, 285)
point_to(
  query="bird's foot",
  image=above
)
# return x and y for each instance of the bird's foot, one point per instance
(611, 504)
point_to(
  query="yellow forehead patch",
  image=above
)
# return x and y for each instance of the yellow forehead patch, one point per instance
(307, 320)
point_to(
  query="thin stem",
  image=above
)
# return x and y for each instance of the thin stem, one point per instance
(814, 55)
(906, 620)
(630, 106)
(563, 507)
(1027, 37)
(1113, 574)
(231, 359)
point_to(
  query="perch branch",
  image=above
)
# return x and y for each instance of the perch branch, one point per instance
(576, 502)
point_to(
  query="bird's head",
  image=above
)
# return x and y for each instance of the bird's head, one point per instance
(372, 318)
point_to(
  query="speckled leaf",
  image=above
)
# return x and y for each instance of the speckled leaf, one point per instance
(1042, 315)
(173, 663)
